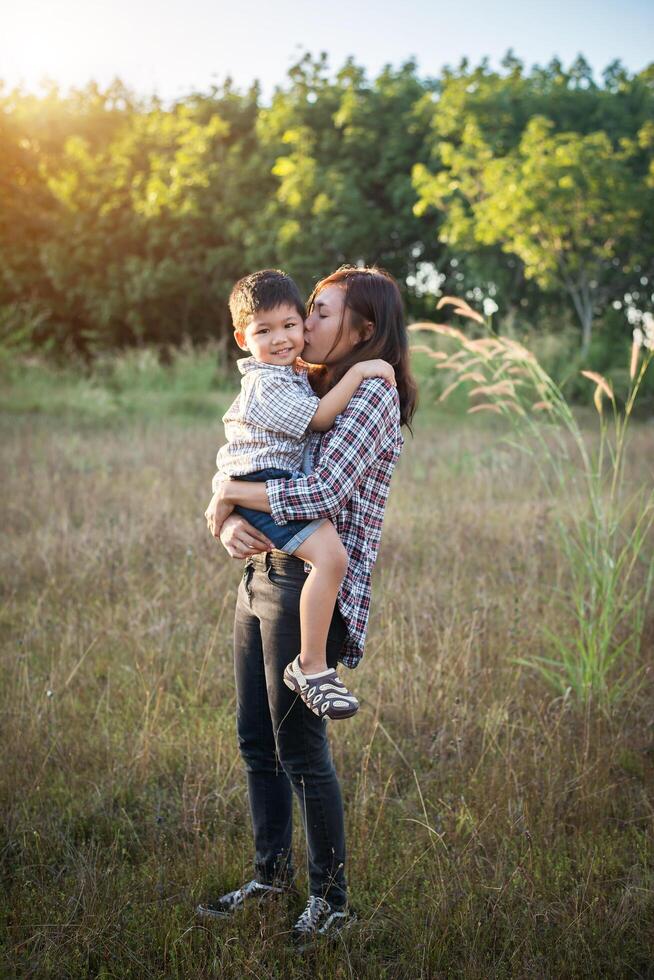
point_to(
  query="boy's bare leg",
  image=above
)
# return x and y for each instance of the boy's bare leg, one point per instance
(328, 558)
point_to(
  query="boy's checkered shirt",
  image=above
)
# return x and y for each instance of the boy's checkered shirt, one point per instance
(266, 425)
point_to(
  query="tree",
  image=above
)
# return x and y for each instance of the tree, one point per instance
(570, 205)
(151, 228)
(565, 204)
(343, 150)
(123, 220)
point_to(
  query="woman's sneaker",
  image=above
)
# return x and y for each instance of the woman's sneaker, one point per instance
(226, 905)
(325, 694)
(320, 919)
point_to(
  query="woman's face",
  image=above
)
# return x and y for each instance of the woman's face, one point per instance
(321, 329)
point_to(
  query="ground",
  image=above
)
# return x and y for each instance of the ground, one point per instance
(495, 828)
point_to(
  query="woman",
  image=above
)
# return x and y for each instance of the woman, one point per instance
(354, 315)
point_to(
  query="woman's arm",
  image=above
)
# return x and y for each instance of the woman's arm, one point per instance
(354, 445)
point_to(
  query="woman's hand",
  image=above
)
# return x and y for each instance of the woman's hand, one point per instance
(376, 369)
(241, 540)
(217, 512)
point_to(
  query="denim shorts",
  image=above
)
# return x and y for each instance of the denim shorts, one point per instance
(286, 537)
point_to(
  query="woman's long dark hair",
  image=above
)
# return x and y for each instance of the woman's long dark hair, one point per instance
(371, 294)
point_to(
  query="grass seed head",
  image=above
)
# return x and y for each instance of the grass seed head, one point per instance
(442, 328)
(486, 407)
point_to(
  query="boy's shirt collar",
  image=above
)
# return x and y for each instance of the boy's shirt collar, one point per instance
(246, 364)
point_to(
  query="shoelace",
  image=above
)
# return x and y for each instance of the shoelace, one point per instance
(309, 919)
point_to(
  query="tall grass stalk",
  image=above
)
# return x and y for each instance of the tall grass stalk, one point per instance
(603, 532)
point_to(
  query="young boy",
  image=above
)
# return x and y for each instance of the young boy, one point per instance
(266, 428)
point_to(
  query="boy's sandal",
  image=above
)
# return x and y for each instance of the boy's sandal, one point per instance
(327, 695)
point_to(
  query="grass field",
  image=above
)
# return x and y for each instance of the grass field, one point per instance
(494, 829)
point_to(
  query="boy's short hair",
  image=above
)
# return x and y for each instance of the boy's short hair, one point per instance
(263, 290)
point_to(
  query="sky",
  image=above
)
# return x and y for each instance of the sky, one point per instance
(171, 47)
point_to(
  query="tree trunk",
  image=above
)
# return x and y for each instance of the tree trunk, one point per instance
(583, 303)
(586, 328)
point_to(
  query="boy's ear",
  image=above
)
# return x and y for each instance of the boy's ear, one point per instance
(239, 337)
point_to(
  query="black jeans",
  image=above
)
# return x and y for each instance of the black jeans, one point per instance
(283, 744)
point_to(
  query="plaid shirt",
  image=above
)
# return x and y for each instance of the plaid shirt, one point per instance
(267, 424)
(352, 467)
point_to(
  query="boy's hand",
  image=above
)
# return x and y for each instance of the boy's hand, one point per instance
(217, 513)
(241, 540)
(376, 369)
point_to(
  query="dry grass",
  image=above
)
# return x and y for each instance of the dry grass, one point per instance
(493, 830)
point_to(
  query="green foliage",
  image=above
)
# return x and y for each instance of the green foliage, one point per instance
(344, 171)
(20, 324)
(148, 240)
(545, 169)
(124, 221)
(195, 381)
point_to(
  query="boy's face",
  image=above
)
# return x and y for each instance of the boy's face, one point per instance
(274, 336)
